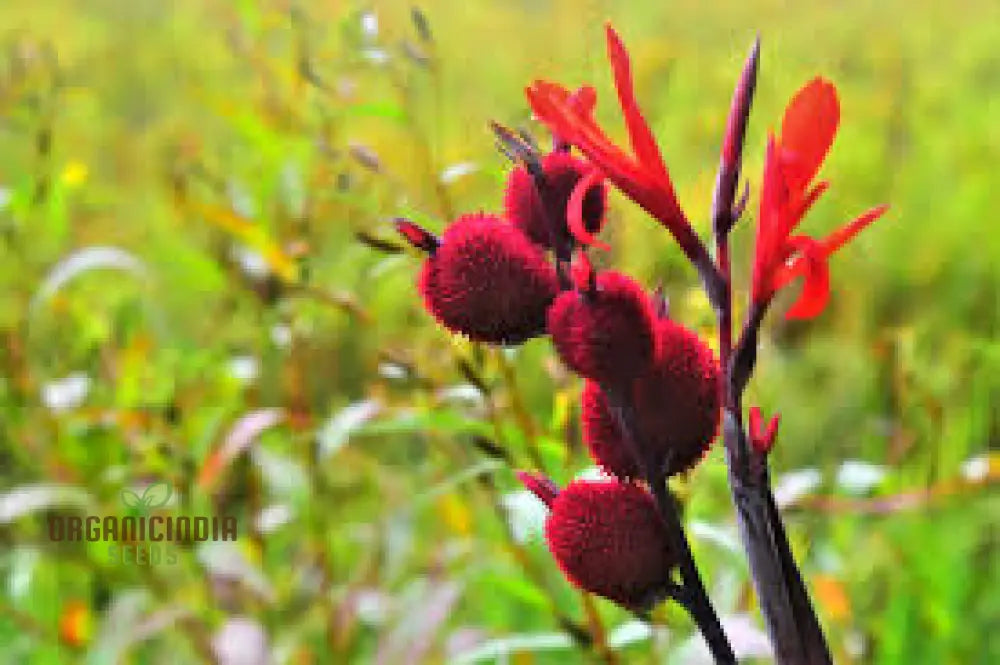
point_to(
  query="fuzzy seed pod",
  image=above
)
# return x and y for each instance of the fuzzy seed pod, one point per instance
(609, 539)
(543, 217)
(676, 405)
(487, 281)
(602, 435)
(605, 334)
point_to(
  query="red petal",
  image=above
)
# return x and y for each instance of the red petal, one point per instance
(574, 210)
(838, 238)
(640, 136)
(770, 234)
(816, 287)
(808, 128)
(807, 202)
(584, 100)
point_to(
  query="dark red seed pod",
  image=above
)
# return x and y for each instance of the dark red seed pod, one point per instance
(602, 435)
(677, 401)
(542, 217)
(487, 281)
(609, 539)
(605, 334)
(676, 407)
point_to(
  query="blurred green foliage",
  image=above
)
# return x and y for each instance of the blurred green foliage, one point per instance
(199, 285)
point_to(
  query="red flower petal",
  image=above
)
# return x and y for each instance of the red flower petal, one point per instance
(640, 136)
(808, 128)
(838, 238)
(584, 100)
(770, 234)
(574, 210)
(807, 202)
(816, 287)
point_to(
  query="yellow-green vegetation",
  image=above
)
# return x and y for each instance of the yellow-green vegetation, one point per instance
(200, 286)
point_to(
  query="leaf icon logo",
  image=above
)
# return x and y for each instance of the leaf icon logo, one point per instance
(154, 496)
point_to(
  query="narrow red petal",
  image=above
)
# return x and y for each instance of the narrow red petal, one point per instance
(838, 238)
(809, 126)
(574, 210)
(640, 136)
(770, 234)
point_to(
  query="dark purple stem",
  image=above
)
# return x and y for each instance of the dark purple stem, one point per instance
(690, 593)
(791, 621)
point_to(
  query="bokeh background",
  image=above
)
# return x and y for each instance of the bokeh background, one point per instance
(200, 285)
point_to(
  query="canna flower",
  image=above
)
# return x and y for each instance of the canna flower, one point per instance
(790, 165)
(484, 279)
(608, 538)
(641, 175)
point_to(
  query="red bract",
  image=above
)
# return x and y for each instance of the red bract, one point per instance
(762, 436)
(790, 165)
(540, 485)
(642, 176)
(606, 333)
(608, 538)
(487, 281)
(538, 206)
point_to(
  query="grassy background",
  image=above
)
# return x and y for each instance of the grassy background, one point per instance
(190, 193)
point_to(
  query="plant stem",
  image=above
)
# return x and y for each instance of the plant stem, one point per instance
(695, 599)
(691, 592)
(794, 629)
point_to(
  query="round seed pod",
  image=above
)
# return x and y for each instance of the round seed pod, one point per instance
(605, 334)
(609, 539)
(487, 281)
(675, 403)
(602, 434)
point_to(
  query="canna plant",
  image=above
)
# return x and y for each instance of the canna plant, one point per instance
(655, 396)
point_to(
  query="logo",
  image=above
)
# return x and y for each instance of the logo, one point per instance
(142, 535)
(155, 496)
